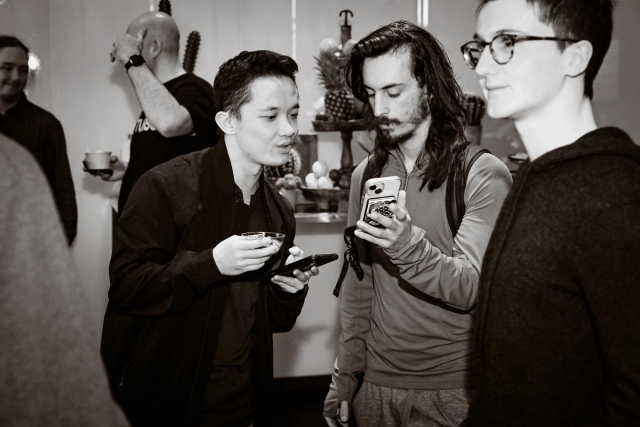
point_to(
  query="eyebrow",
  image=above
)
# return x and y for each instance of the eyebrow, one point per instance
(389, 86)
(276, 108)
(507, 31)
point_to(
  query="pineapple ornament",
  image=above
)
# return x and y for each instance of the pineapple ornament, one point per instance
(338, 101)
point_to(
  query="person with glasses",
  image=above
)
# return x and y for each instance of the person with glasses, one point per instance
(558, 318)
(407, 316)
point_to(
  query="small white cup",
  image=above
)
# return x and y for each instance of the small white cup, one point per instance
(98, 160)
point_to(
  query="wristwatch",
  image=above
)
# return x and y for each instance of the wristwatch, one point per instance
(135, 61)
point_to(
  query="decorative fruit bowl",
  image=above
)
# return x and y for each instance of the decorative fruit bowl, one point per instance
(325, 194)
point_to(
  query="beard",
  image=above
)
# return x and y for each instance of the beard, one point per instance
(384, 136)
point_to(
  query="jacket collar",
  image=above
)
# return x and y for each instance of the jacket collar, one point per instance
(218, 204)
(19, 108)
(602, 141)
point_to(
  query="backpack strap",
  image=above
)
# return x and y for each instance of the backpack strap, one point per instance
(366, 175)
(351, 256)
(456, 185)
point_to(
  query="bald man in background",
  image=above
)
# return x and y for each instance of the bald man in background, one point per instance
(177, 107)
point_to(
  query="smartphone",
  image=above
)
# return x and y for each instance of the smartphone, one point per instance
(302, 265)
(378, 194)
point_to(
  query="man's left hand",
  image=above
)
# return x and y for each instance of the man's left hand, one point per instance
(126, 46)
(300, 278)
(398, 229)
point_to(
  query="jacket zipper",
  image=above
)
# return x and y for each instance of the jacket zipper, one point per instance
(186, 420)
(135, 362)
(406, 176)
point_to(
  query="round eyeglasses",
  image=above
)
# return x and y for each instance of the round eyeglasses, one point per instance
(501, 47)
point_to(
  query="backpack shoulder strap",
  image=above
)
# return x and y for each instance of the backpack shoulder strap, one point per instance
(456, 185)
(367, 174)
(351, 256)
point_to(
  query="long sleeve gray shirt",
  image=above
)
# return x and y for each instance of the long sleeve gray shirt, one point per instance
(409, 323)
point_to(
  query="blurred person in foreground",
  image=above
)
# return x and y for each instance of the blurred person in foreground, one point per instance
(187, 336)
(50, 368)
(36, 129)
(558, 324)
(408, 324)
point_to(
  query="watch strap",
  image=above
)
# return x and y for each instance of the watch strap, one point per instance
(134, 61)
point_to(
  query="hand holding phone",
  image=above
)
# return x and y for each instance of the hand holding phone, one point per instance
(396, 232)
(377, 195)
(295, 275)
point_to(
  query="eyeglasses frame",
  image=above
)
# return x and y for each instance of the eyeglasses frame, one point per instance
(514, 39)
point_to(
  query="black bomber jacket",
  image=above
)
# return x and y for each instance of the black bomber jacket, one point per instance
(165, 306)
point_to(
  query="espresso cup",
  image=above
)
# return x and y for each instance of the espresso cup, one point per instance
(276, 238)
(98, 160)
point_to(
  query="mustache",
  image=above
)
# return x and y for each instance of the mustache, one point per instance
(381, 121)
(374, 123)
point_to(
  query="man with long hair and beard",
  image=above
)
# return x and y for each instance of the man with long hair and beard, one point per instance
(408, 323)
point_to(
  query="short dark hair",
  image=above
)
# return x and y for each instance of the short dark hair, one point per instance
(431, 67)
(590, 20)
(10, 41)
(232, 85)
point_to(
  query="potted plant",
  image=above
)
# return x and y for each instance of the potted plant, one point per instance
(288, 186)
(475, 108)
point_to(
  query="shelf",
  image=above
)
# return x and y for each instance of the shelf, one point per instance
(320, 217)
(338, 126)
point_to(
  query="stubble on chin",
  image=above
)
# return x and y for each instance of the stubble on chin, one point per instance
(385, 136)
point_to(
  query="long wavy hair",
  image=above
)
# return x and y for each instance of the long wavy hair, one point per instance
(445, 143)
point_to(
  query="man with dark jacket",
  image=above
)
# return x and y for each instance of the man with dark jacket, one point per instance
(37, 130)
(187, 333)
(558, 319)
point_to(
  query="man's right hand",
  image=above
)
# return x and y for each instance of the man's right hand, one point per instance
(116, 173)
(236, 255)
(126, 46)
(342, 416)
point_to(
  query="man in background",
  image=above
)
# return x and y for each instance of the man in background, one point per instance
(35, 129)
(408, 324)
(177, 107)
(558, 319)
(50, 368)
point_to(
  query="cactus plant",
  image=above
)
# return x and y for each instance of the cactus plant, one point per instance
(165, 6)
(475, 109)
(191, 51)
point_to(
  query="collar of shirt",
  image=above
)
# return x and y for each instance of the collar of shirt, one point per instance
(19, 108)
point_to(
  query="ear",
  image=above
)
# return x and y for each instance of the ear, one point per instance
(578, 57)
(226, 123)
(155, 47)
